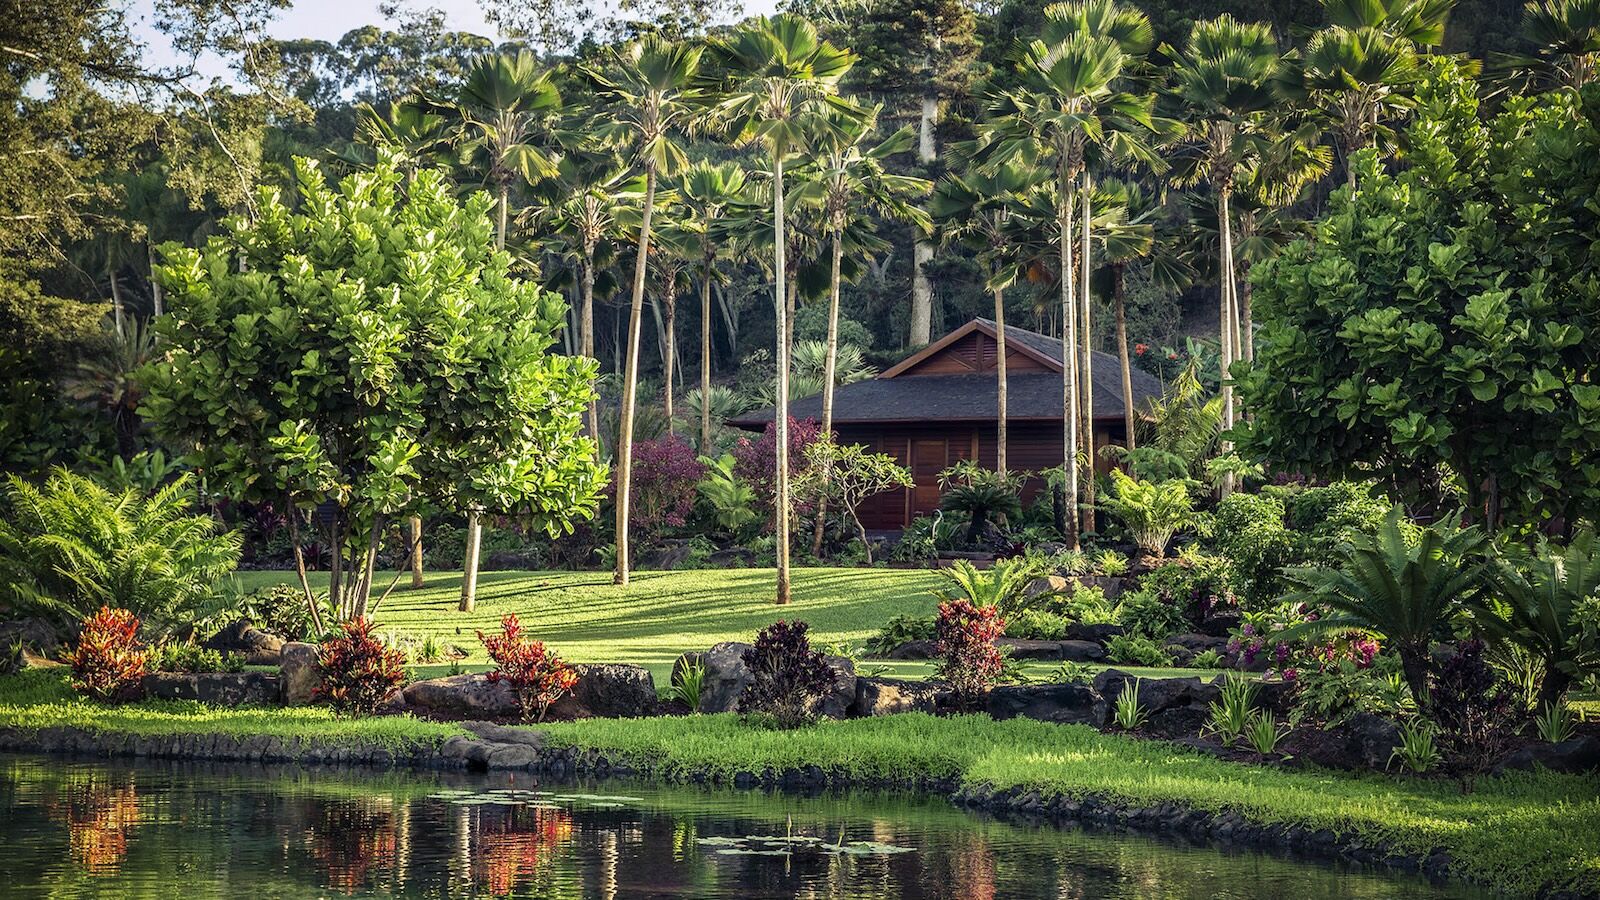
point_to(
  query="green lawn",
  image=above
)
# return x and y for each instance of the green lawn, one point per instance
(661, 614)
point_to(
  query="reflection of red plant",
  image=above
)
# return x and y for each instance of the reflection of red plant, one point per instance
(512, 849)
(349, 840)
(358, 671)
(99, 818)
(108, 661)
(536, 674)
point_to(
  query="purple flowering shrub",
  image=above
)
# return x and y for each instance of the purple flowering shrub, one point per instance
(666, 473)
(755, 462)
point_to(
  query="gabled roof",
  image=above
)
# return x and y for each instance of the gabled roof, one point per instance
(898, 396)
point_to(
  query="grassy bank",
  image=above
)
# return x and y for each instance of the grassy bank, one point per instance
(1517, 832)
(40, 698)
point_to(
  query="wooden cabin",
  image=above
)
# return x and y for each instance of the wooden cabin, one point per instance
(939, 405)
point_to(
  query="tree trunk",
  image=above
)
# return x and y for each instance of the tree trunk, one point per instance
(781, 412)
(116, 302)
(469, 562)
(1247, 324)
(1414, 666)
(630, 381)
(369, 563)
(1553, 687)
(586, 328)
(1229, 333)
(1069, 360)
(829, 362)
(705, 356)
(1086, 366)
(669, 357)
(503, 207)
(922, 252)
(157, 300)
(1000, 380)
(300, 567)
(1120, 299)
(416, 551)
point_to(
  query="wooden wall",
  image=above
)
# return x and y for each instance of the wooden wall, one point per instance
(930, 448)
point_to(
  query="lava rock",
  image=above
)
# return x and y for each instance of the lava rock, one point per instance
(727, 676)
(732, 558)
(260, 648)
(463, 696)
(1099, 634)
(886, 696)
(1364, 741)
(609, 690)
(1573, 756)
(298, 673)
(1076, 651)
(1220, 624)
(1198, 643)
(1060, 703)
(35, 635)
(1174, 706)
(915, 650)
(215, 688)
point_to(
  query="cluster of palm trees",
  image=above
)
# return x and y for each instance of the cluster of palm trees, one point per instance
(1067, 176)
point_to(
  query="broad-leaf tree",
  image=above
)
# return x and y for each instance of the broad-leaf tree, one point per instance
(363, 354)
(849, 474)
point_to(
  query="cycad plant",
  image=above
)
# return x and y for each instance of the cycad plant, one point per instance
(1153, 511)
(69, 547)
(649, 88)
(1002, 586)
(1537, 604)
(779, 81)
(1408, 583)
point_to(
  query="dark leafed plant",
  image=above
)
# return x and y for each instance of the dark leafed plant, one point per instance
(1407, 590)
(536, 675)
(969, 661)
(108, 661)
(1474, 711)
(787, 677)
(69, 547)
(1537, 602)
(359, 671)
(665, 476)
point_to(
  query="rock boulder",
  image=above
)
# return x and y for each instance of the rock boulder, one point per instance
(1060, 703)
(886, 696)
(726, 677)
(462, 697)
(215, 688)
(298, 674)
(608, 690)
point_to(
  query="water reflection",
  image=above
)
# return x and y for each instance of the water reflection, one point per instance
(162, 830)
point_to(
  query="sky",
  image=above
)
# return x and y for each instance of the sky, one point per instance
(329, 20)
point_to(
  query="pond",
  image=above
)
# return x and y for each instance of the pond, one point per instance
(155, 829)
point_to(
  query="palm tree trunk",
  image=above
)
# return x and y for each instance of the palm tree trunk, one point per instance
(781, 412)
(1086, 366)
(829, 361)
(1119, 298)
(1069, 360)
(669, 357)
(469, 561)
(1247, 326)
(630, 381)
(1000, 379)
(1229, 333)
(416, 551)
(705, 357)
(116, 301)
(502, 212)
(921, 331)
(586, 327)
(157, 298)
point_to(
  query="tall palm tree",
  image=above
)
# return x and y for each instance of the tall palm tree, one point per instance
(778, 79)
(1223, 79)
(649, 86)
(1068, 106)
(506, 126)
(1565, 35)
(845, 179)
(673, 249)
(708, 190)
(976, 209)
(1353, 78)
(584, 215)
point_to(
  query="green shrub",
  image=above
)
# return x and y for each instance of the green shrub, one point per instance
(1177, 595)
(1002, 586)
(899, 630)
(1250, 531)
(1147, 614)
(1322, 518)
(1038, 625)
(1336, 693)
(279, 609)
(1085, 605)
(1133, 650)
(191, 659)
(70, 546)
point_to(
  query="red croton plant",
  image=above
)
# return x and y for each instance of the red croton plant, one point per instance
(536, 674)
(359, 671)
(108, 662)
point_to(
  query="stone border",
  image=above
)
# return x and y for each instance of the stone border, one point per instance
(501, 748)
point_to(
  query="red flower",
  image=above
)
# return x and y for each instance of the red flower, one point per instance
(1139, 349)
(1172, 354)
